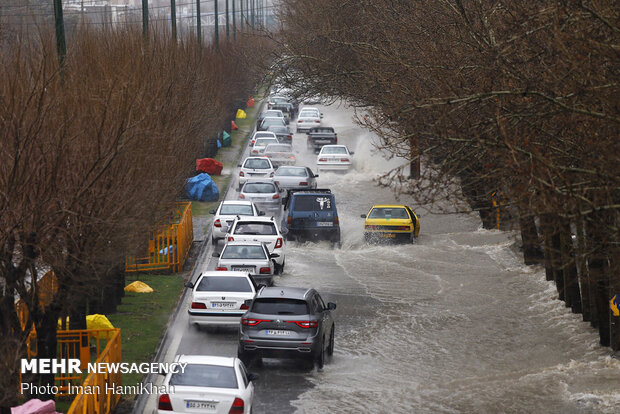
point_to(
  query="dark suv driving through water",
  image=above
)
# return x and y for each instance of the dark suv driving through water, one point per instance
(287, 322)
(311, 214)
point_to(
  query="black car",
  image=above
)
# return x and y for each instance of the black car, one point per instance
(311, 214)
(283, 133)
(287, 322)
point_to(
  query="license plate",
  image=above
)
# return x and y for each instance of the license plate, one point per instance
(388, 235)
(277, 332)
(324, 223)
(322, 141)
(243, 268)
(203, 405)
(223, 304)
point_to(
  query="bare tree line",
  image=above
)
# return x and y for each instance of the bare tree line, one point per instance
(90, 160)
(513, 100)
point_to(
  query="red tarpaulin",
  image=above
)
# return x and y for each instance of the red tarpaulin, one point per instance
(209, 166)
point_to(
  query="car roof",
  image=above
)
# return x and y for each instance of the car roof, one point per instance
(241, 202)
(279, 143)
(259, 181)
(284, 292)
(269, 133)
(388, 206)
(255, 219)
(272, 117)
(335, 145)
(311, 108)
(255, 158)
(213, 273)
(243, 243)
(207, 360)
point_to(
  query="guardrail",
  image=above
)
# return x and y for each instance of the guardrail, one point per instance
(169, 244)
(101, 400)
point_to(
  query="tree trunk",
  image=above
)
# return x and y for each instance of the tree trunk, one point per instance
(532, 254)
(584, 279)
(569, 269)
(46, 348)
(547, 229)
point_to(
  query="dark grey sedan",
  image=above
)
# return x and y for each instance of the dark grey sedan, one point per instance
(287, 322)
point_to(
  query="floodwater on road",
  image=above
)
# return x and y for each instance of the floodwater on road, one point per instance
(450, 324)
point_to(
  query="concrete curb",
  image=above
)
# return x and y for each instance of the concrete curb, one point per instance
(164, 343)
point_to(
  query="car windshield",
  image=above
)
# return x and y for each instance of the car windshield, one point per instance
(333, 150)
(263, 142)
(265, 229)
(277, 306)
(312, 203)
(243, 252)
(267, 188)
(224, 284)
(278, 148)
(382, 212)
(257, 163)
(236, 209)
(291, 172)
(202, 375)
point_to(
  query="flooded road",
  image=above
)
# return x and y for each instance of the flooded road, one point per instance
(453, 323)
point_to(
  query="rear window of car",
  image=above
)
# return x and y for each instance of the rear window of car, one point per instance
(381, 212)
(265, 229)
(236, 209)
(293, 172)
(308, 114)
(278, 129)
(266, 188)
(261, 142)
(263, 134)
(334, 150)
(257, 163)
(278, 148)
(243, 252)
(277, 306)
(312, 203)
(202, 375)
(224, 284)
(272, 121)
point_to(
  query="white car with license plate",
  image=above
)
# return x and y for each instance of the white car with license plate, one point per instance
(280, 154)
(249, 257)
(264, 193)
(261, 143)
(226, 213)
(308, 118)
(260, 229)
(262, 134)
(218, 298)
(208, 384)
(255, 167)
(334, 158)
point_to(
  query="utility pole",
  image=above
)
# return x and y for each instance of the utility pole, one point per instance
(61, 44)
(173, 19)
(145, 18)
(217, 27)
(234, 22)
(227, 28)
(198, 23)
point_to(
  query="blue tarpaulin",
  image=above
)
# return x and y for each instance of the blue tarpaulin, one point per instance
(202, 188)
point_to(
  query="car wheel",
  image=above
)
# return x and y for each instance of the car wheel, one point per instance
(245, 358)
(319, 359)
(213, 241)
(330, 348)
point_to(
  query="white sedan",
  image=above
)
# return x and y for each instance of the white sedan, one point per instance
(255, 167)
(260, 229)
(308, 118)
(226, 213)
(212, 384)
(334, 157)
(218, 298)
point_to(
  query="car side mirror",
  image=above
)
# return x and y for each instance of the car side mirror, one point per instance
(238, 165)
(215, 254)
(274, 255)
(237, 189)
(252, 376)
(212, 211)
(351, 152)
(331, 305)
(316, 175)
(321, 114)
(189, 285)
(261, 213)
(248, 302)
(363, 215)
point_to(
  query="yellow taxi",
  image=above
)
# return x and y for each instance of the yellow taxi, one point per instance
(391, 222)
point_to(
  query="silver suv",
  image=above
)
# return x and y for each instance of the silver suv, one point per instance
(287, 322)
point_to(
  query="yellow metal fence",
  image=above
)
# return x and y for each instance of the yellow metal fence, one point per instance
(169, 244)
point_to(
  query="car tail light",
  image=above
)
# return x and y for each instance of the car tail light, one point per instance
(198, 305)
(323, 159)
(217, 223)
(344, 160)
(336, 221)
(241, 174)
(289, 220)
(305, 324)
(237, 407)
(253, 322)
(164, 403)
(402, 228)
(221, 268)
(335, 139)
(241, 196)
(317, 121)
(369, 227)
(254, 151)
(289, 136)
(244, 307)
(278, 243)
(299, 121)
(271, 175)
(265, 270)
(230, 238)
(303, 183)
(276, 196)
(253, 142)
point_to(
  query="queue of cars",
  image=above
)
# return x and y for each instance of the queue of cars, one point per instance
(273, 321)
